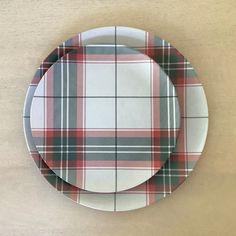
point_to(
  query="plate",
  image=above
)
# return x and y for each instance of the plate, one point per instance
(105, 118)
(194, 120)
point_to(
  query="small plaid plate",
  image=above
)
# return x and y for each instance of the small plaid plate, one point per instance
(105, 118)
(193, 128)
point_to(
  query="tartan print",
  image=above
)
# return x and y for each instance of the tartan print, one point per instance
(79, 150)
(181, 162)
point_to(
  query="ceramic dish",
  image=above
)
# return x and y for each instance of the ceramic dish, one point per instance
(105, 118)
(194, 120)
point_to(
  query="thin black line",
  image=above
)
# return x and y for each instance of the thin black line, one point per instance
(173, 153)
(61, 114)
(26, 116)
(168, 69)
(153, 47)
(134, 192)
(67, 115)
(188, 85)
(106, 62)
(195, 117)
(164, 67)
(176, 85)
(137, 47)
(84, 115)
(115, 121)
(44, 133)
(186, 152)
(106, 96)
(186, 126)
(111, 168)
(108, 128)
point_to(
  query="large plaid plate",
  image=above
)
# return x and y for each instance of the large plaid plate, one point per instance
(194, 120)
(105, 118)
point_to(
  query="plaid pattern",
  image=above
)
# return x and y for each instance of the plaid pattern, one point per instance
(123, 145)
(181, 162)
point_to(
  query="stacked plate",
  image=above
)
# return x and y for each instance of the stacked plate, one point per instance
(115, 118)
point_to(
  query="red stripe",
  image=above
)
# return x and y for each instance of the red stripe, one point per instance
(79, 118)
(50, 133)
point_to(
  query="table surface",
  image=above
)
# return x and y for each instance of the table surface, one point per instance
(204, 31)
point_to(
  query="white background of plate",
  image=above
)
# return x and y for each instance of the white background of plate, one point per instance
(204, 31)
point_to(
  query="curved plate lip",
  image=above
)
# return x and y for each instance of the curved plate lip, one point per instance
(89, 204)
